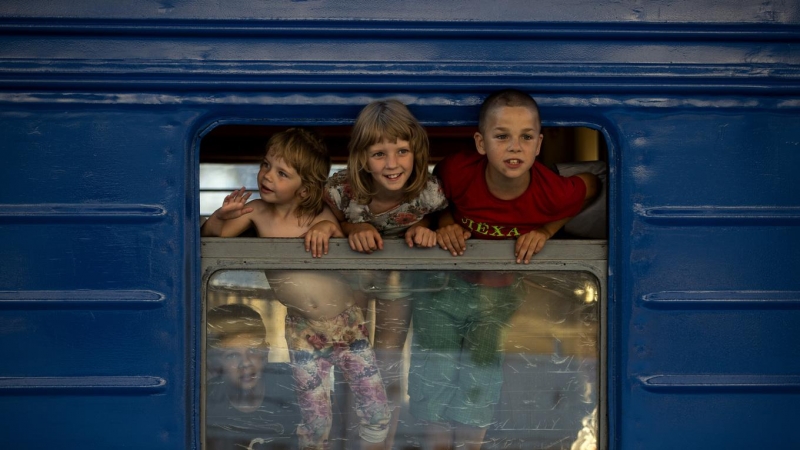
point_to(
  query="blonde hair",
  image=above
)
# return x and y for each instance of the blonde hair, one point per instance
(390, 120)
(308, 155)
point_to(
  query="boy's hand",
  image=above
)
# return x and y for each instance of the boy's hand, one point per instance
(317, 238)
(364, 238)
(530, 244)
(234, 205)
(453, 238)
(420, 236)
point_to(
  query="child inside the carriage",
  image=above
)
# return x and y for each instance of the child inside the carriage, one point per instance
(499, 191)
(325, 326)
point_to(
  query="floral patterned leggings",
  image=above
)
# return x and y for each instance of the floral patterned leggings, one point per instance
(317, 345)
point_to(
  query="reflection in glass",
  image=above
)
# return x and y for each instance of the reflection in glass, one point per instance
(250, 403)
(527, 340)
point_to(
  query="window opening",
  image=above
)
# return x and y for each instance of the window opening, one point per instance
(542, 336)
(230, 154)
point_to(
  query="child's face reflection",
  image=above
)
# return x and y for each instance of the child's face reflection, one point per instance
(243, 359)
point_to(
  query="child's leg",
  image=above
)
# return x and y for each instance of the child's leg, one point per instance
(392, 318)
(314, 397)
(446, 436)
(312, 386)
(357, 363)
(438, 436)
(433, 375)
(469, 438)
(481, 363)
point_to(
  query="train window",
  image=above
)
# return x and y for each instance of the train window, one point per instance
(230, 154)
(300, 350)
(517, 346)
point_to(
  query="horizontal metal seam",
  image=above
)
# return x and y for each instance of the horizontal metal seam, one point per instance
(81, 299)
(79, 212)
(722, 215)
(710, 383)
(85, 385)
(718, 300)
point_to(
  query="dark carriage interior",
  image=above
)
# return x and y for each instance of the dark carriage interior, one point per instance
(245, 143)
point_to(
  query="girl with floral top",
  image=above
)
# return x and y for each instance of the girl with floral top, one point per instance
(386, 191)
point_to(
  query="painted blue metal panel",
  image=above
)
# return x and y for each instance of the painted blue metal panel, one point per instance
(94, 306)
(102, 103)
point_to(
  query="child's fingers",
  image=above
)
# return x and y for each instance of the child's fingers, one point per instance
(460, 240)
(360, 243)
(535, 248)
(529, 245)
(444, 242)
(521, 247)
(311, 243)
(525, 256)
(440, 241)
(316, 250)
(368, 243)
(450, 243)
(316, 243)
(521, 243)
(233, 197)
(427, 239)
(376, 241)
(433, 240)
(410, 238)
(355, 245)
(324, 247)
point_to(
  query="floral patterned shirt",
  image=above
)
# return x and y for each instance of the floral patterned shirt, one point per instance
(394, 222)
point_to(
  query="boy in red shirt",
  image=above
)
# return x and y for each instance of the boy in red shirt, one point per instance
(500, 192)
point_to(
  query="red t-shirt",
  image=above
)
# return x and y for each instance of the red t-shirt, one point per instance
(549, 197)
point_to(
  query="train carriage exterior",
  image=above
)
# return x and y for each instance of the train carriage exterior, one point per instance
(105, 281)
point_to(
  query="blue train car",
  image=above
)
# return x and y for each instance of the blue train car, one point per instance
(685, 329)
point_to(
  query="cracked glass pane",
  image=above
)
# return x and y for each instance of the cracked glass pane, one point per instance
(404, 358)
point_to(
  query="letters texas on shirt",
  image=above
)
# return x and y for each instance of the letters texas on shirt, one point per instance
(549, 197)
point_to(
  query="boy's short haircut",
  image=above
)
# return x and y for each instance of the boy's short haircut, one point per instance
(507, 97)
(386, 119)
(307, 154)
(228, 321)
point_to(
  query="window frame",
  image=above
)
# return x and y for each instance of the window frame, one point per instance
(569, 255)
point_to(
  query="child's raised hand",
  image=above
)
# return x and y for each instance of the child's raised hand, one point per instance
(420, 236)
(529, 244)
(234, 205)
(453, 238)
(317, 238)
(364, 238)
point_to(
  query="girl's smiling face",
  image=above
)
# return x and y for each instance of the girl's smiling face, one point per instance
(391, 164)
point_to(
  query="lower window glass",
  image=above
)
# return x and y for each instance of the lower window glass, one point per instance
(330, 358)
